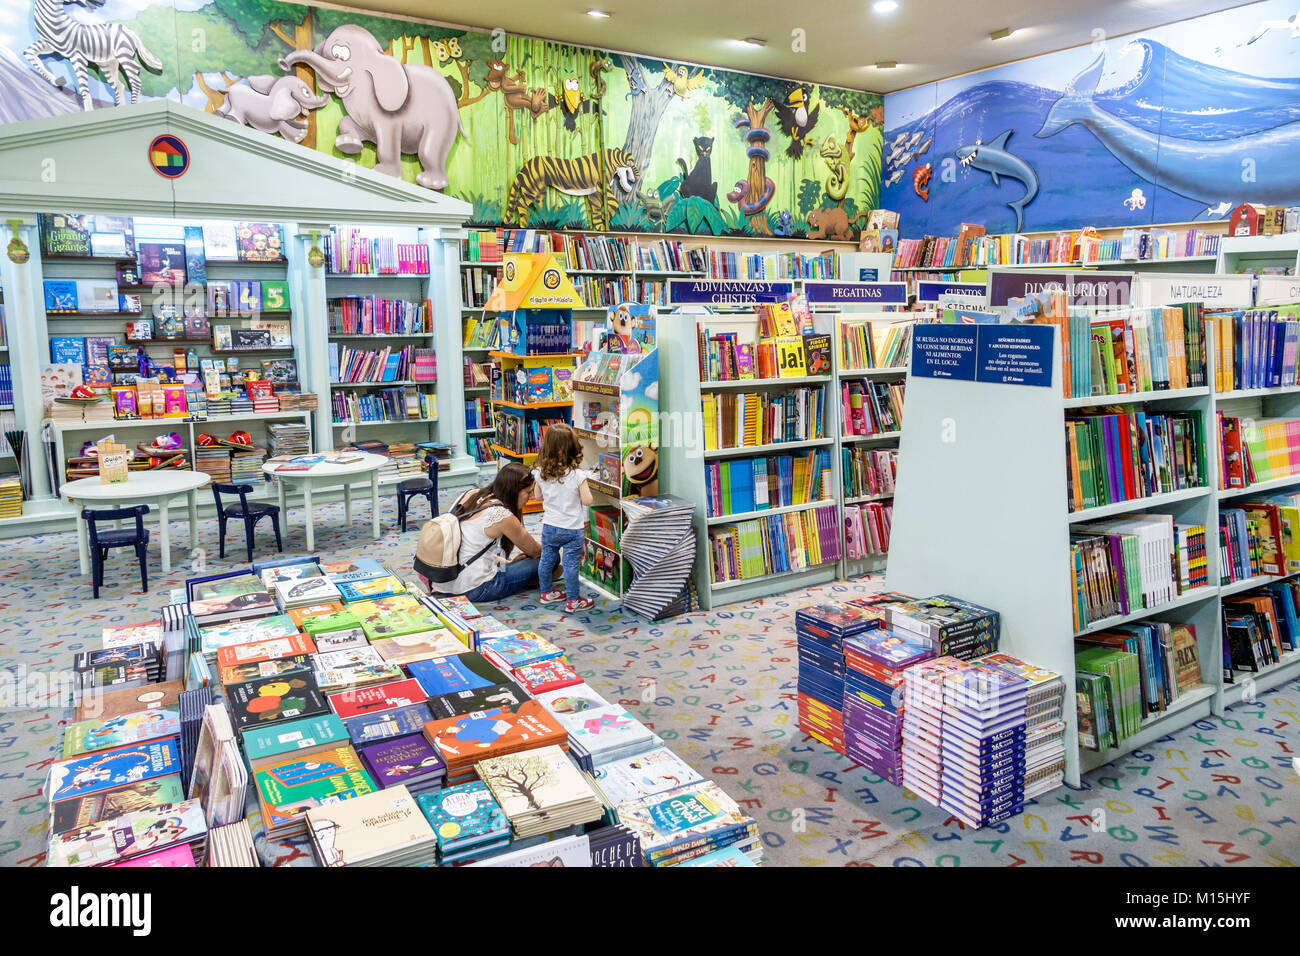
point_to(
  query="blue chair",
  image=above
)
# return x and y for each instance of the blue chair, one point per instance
(102, 541)
(419, 488)
(249, 514)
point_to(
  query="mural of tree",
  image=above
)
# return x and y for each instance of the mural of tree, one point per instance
(754, 96)
(648, 105)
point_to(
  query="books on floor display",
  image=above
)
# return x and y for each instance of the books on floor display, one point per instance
(626, 780)
(446, 675)
(608, 733)
(376, 698)
(128, 700)
(293, 736)
(103, 770)
(546, 675)
(232, 846)
(465, 740)
(467, 820)
(391, 616)
(540, 790)
(358, 569)
(686, 822)
(338, 670)
(82, 811)
(515, 650)
(132, 834)
(288, 785)
(418, 646)
(304, 591)
(462, 702)
(376, 829)
(410, 761)
(575, 699)
(118, 731)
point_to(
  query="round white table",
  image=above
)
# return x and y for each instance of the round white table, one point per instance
(140, 488)
(331, 473)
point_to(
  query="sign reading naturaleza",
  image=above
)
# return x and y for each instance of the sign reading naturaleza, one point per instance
(1014, 354)
(944, 351)
(726, 291)
(856, 293)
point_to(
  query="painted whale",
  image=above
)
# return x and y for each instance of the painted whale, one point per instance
(1205, 170)
(995, 159)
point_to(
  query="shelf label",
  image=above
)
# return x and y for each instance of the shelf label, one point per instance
(726, 291)
(938, 291)
(1226, 291)
(1082, 288)
(859, 293)
(1014, 354)
(1278, 290)
(944, 351)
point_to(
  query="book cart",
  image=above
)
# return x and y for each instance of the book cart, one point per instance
(982, 511)
(616, 417)
(233, 175)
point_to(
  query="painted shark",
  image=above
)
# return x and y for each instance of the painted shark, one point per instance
(1204, 170)
(994, 158)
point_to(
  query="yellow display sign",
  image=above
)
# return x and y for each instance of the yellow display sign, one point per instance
(533, 280)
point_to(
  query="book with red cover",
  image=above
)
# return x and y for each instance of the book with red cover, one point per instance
(376, 698)
(464, 740)
(546, 675)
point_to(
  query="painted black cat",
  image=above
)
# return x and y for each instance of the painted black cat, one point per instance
(698, 181)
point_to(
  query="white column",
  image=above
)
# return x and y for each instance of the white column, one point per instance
(311, 329)
(29, 342)
(444, 293)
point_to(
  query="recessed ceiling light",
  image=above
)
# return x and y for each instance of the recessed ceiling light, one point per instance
(600, 14)
(886, 64)
(754, 41)
(884, 6)
(1001, 34)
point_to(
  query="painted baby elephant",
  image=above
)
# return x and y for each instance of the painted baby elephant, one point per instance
(401, 108)
(273, 105)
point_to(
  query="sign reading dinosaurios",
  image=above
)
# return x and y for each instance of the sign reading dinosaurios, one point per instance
(532, 133)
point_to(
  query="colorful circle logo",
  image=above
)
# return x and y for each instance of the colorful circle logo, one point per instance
(551, 279)
(168, 156)
(510, 271)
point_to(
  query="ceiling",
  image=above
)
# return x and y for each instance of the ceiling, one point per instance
(929, 39)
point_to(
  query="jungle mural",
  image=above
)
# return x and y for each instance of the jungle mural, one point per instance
(1177, 124)
(530, 132)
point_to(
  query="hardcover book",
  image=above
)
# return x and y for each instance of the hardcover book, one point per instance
(397, 722)
(371, 828)
(254, 652)
(90, 735)
(369, 700)
(294, 736)
(418, 646)
(268, 699)
(448, 675)
(402, 760)
(464, 702)
(130, 834)
(90, 773)
(82, 811)
(287, 786)
(629, 779)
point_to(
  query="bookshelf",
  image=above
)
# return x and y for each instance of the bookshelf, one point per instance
(1279, 255)
(691, 465)
(383, 337)
(1003, 543)
(616, 417)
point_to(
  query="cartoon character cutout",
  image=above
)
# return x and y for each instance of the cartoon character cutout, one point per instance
(622, 324)
(641, 470)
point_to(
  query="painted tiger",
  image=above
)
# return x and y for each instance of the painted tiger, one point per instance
(591, 176)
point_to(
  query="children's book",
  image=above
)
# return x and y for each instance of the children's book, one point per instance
(338, 670)
(380, 587)
(369, 828)
(396, 722)
(83, 811)
(268, 699)
(391, 616)
(463, 702)
(90, 773)
(465, 816)
(278, 667)
(289, 785)
(132, 834)
(628, 779)
(515, 650)
(90, 735)
(349, 639)
(254, 652)
(447, 675)
(419, 646)
(379, 697)
(401, 760)
(574, 699)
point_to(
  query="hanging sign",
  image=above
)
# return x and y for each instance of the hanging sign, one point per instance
(169, 156)
(726, 291)
(938, 291)
(1081, 288)
(944, 351)
(1014, 354)
(856, 293)
(1222, 291)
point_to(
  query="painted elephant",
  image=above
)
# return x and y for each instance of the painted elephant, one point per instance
(401, 108)
(273, 105)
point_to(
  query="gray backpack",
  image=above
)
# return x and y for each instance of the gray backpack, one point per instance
(437, 552)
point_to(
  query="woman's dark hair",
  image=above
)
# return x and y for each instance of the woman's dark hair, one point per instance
(911, 303)
(505, 488)
(560, 452)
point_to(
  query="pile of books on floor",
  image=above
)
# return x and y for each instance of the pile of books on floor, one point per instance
(11, 497)
(658, 542)
(289, 438)
(875, 662)
(367, 726)
(214, 461)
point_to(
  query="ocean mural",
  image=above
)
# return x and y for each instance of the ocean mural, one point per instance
(1177, 124)
(531, 132)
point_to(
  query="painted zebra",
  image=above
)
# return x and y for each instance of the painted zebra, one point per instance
(110, 46)
(588, 176)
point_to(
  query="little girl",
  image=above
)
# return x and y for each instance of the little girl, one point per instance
(563, 488)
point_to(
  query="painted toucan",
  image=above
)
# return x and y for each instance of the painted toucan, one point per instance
(797, 121)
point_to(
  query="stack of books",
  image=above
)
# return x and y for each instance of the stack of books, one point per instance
(820, 632)
(954, 628)
(246, 466)
(375, 829)
(304, 592)
(11, 497)
(117, 667)
(540, 790)
(1044, 722)
(983, 744)
(875, 662)
(690, 821)
(214, 461)
(603, 734)
(409, 761)
(232, 845)
(133, 835)
(468, 821)
(465, 740)
(289, 438)
(658, 542)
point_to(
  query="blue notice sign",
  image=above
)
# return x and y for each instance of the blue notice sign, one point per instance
(1015, 354)
(934, 291)
(726, 291)
(865, 293)
(944, 351)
